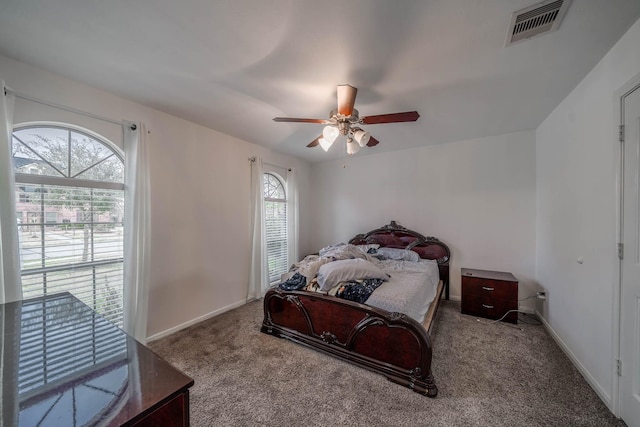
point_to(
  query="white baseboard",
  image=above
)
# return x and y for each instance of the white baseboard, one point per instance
(606, 398)
(196, 320)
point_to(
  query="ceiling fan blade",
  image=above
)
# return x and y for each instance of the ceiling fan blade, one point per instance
(297, 120)
(372, 142)
(315, 142)
(409, 116)
(346, 99)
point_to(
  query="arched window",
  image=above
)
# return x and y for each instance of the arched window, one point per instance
(70, 208)
(275, 221)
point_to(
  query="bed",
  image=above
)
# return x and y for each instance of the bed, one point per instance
(391, 343)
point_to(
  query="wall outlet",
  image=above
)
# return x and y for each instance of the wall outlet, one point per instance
(542, 295)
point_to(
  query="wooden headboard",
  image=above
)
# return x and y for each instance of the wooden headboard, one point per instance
(393, 235)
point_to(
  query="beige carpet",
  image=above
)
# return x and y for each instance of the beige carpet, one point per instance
(487, 374)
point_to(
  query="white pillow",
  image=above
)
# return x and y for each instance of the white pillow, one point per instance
(332, 273)
(399, 254)
(366, 248)
(331, 248)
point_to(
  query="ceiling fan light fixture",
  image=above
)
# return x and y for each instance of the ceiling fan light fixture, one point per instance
(330, 133)
(352, 146)
(325, 144)
(344, 121)
(361, 137)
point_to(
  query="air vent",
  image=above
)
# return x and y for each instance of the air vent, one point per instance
(535, 20)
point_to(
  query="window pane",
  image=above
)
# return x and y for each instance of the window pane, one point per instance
(76, 247)
(27, 162)
(90, 159)
(80, 225)
(109, 170)
(276, 237)
(47, 147)
(45, 151)
(273, 188)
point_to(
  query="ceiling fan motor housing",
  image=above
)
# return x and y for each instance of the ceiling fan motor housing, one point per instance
(344, 122)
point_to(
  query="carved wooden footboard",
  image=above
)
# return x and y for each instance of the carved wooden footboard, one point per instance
(391, 344)
(388, 343)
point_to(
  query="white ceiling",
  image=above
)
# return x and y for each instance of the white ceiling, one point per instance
(233, 65)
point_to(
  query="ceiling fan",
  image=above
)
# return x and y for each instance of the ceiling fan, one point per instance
(345, 121)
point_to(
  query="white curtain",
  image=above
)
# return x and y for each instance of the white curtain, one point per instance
(292, 217)
(10, 283)
(258, 273)
(137, 228)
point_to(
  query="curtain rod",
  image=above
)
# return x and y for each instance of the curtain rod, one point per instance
(253, 159)
(8, 91)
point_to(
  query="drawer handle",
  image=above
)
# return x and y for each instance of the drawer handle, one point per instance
(487, 306)
(487, 289)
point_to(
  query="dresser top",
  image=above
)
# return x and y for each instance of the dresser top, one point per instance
(65, 365)
(488, 274)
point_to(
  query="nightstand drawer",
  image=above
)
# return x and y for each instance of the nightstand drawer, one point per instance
(491, 308)
(496, 288)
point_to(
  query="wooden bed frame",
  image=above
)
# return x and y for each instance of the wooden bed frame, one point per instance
(391, 344)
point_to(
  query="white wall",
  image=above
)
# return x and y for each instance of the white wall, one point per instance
(478, 196)
(200, 195)
(576, 163)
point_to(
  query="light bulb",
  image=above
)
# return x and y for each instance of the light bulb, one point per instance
(362, 137)
(330, 133)
(325, 144)
(352, 147)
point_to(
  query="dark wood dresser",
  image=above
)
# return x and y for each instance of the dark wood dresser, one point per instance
(489, 294)
(65, 365)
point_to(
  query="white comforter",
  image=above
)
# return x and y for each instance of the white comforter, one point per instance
(410, 290)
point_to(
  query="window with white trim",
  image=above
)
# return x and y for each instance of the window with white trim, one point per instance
(275, 221)
(70, 192)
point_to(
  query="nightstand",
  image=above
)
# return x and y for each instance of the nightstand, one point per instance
(489, 294)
